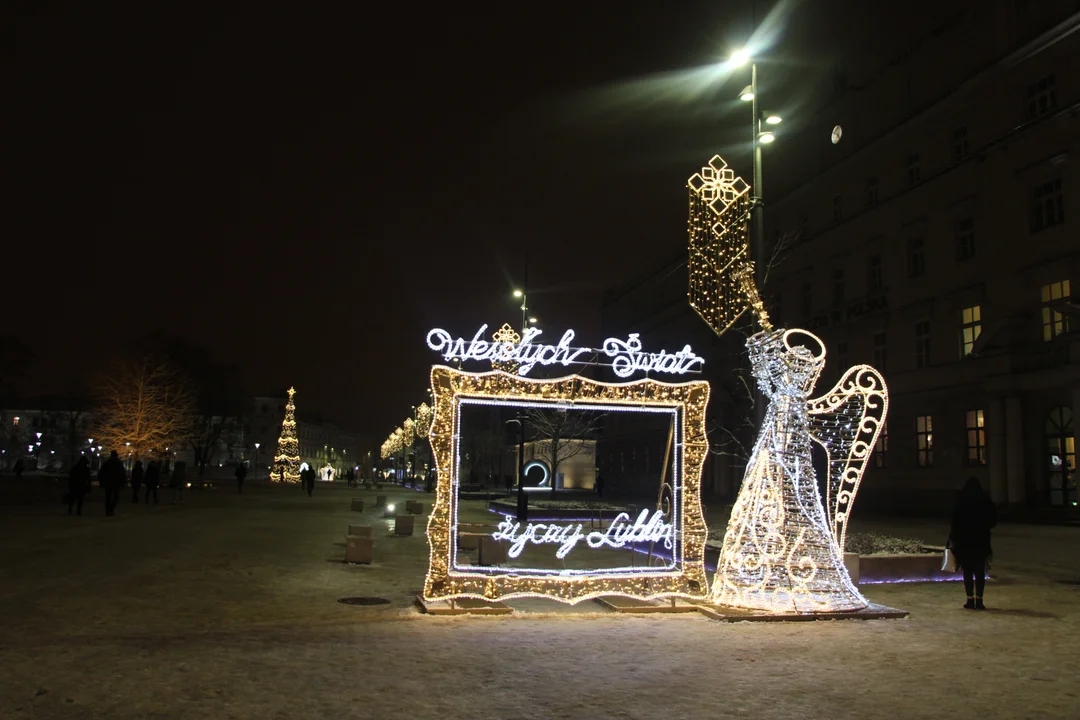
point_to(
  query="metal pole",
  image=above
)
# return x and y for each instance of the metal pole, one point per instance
(523, 500)
(757, 241)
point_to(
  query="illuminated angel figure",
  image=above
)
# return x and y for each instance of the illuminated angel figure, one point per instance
(782, 551)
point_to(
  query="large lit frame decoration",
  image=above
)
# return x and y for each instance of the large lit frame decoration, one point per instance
(687, 401)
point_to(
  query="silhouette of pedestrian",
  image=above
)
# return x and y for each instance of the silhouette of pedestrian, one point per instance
(136, 480)
(350, 477)
(241, 473)
(152, 479)
(177, 481)
(18, 469)
(599, 485)
(111, 477)
(78, 484)
(973, 516)
(309, 480)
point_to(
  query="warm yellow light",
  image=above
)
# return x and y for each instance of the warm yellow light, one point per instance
(518, 293)
(739, 58)
(766, 138)
(747, 94)
(773, 120)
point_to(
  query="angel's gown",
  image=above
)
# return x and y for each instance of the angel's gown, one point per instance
(780, 551)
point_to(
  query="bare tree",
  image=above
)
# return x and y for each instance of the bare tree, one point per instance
(561, 434)
(144, 406)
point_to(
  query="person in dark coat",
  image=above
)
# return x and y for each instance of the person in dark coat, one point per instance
(152, 479)
(78, 485)
(111, 477)
(972, 519)
(241, 473)
(309, 479)
(136, 480)
(18, 469)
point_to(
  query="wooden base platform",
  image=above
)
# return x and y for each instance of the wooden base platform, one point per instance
(731, 614)
(462, 606)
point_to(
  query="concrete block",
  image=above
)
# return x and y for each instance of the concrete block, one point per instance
(357, 505)
(851, 562)
(403, 525)
(415, 506)
(361, 531)
(492, 552)
(359, 549)
(468, 541)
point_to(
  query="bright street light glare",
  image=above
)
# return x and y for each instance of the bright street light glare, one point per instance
(532, 320)
(747, 94)
(767, 137)
(518, 293)
(739, 57)
(773, 120)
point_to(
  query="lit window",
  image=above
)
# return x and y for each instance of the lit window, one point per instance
(960, 144)
(1047, 205)
(970, 328)
(15, 421)
(1041, 97)
(916, 258)
(922, 344)
(880, 354)
(1054, 322)
(881, 447)
(913, 172)
(976, 438)
(924, 440)
(965, 239)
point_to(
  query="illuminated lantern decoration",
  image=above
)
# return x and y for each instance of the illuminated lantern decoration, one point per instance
(505, 335)
(287, 459)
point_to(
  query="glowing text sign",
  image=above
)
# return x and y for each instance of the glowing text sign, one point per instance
(626, 355)
(618, 535)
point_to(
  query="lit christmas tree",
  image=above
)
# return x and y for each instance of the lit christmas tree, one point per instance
(287, 459)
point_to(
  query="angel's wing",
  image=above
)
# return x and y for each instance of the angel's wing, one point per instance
(846, 421)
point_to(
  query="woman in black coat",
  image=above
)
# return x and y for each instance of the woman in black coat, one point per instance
(973, 516)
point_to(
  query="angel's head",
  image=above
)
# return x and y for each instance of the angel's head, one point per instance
(786, 362)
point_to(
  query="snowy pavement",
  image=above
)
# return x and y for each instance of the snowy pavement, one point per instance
(228, 607)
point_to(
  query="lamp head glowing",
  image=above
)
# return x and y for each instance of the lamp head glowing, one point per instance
(771, 119)
(739, 58)
(747, 94)
(766, 138)
(532, 321)
(518, 293)
(390, 507)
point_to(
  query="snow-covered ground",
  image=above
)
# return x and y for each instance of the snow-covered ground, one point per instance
(227, 607)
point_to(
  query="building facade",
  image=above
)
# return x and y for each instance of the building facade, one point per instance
(937, 241)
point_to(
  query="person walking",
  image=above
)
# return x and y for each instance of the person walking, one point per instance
(974, 515)
(241, 473)
(152, 479)
(309, 479)
(350, 478)
(177, 480)
(78, 484)
(18, 469)
(136, 480)
(111, 477)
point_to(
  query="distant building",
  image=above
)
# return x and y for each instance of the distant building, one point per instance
(324, 446)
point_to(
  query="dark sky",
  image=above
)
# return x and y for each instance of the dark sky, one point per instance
(308, 191)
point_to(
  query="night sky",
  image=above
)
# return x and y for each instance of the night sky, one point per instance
(309, 191)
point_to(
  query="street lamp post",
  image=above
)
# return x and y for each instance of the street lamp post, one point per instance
(256, 476)
(522, 497)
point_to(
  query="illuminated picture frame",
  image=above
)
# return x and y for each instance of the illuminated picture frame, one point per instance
(684, 577)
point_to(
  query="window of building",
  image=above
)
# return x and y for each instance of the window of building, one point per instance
(976, 438)
(922, 344)
(916, 258)
(1047, 205)
(970, 328)
(913, 172)
(880, 352)
(807, 300)
(1041, 97)
(881, 447)
(924, 440)
(15, 421)
(874, 281)
(1054, 322)
(837, 208)
(965, 238)
(959, 144)
(871, 192)
(838, 286)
